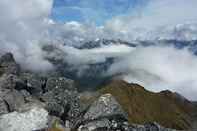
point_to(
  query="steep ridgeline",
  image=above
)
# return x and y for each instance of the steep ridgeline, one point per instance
(167, 108)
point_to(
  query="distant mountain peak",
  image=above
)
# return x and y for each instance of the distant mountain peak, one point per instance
(97, 43)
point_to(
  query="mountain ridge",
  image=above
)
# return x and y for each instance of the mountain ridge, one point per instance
(144, 106)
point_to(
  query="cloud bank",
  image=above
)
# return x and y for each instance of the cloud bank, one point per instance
(23, 24)
(158, 18)
(25, 27)
(159, 68)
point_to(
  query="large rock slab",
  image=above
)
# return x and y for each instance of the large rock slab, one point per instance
(13, 98)
(34, 119)
(105, 106)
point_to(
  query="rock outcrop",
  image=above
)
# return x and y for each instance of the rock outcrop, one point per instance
(3, 107)
(105, 106)
(8, 64)
(31, 120)
(33, 102)
(62, 98)
(14, 99)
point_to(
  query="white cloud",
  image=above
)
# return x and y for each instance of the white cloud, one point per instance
(22, 25)
(159, 68)
(96, 55)
(25, 26)
(81, 57)
(153, 18)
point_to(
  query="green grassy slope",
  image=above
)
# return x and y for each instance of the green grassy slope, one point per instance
(144, 106)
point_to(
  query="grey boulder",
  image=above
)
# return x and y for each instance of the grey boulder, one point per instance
(61, 97)
(105, 107)
(60, 82)
(33, 83)
(8, 81)
(3, 107)
(8, 64)
(34, 119)
(13, 98)
(103, 124)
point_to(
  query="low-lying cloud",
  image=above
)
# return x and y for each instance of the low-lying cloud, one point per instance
(25, 27)
(22, 26)
(159, 68)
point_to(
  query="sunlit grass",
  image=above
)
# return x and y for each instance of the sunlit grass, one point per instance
(143, 106)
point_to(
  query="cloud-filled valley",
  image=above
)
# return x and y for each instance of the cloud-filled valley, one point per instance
(158, 66)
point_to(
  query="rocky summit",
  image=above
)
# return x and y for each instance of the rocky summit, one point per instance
(36, 102)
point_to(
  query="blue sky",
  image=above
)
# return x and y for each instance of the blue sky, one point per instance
(97, 11)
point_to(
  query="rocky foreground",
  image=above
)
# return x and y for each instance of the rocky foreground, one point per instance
(35, 102)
